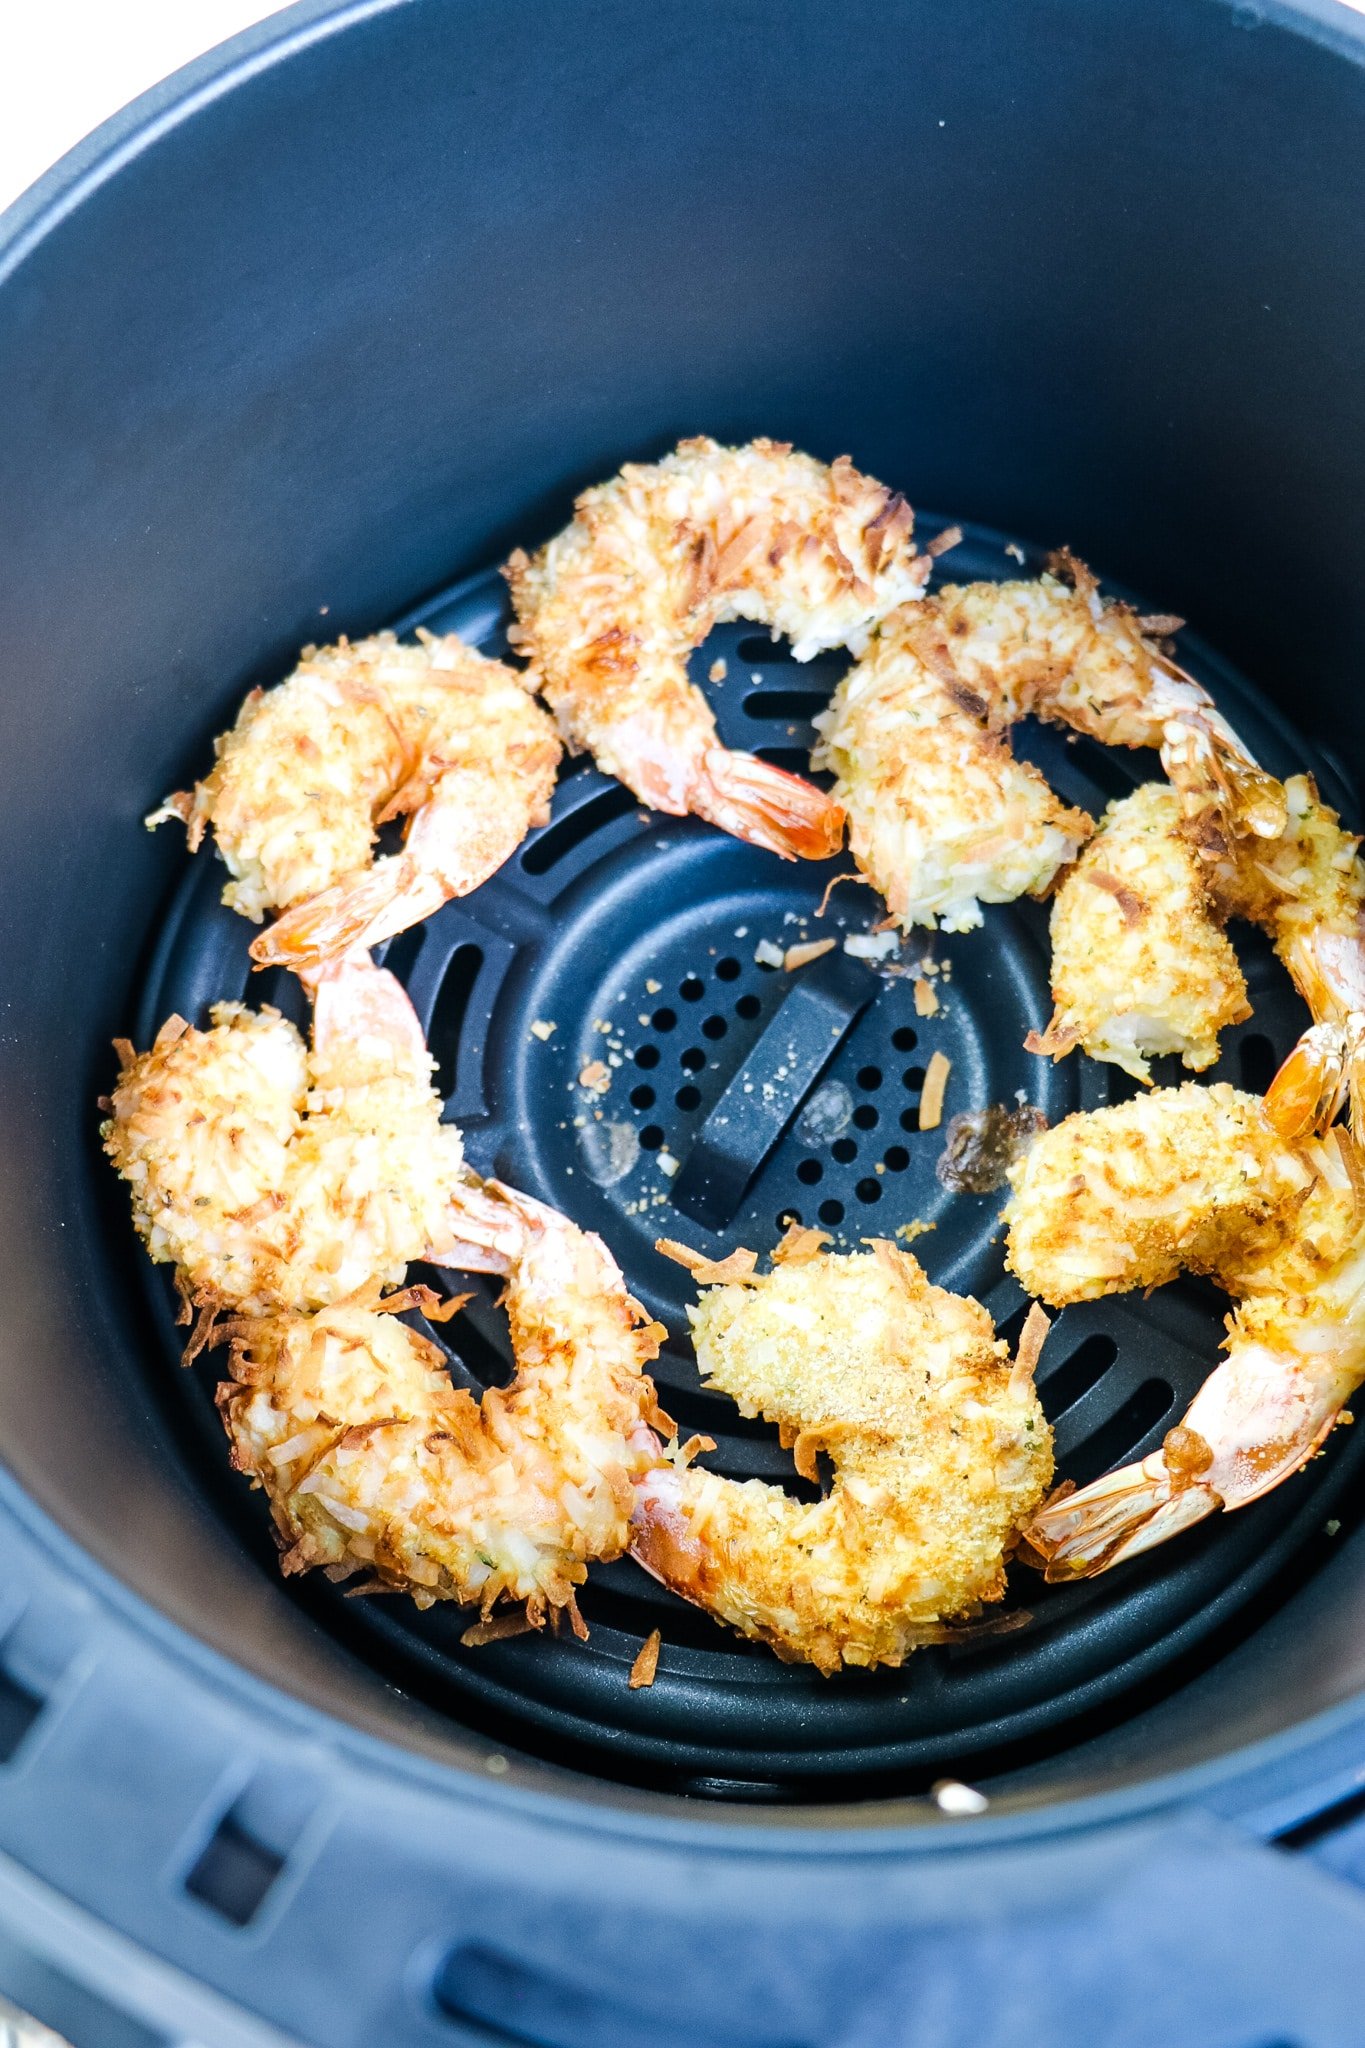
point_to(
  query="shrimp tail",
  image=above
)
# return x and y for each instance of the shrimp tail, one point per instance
(1126, 1512)
(1306, 1095)
(355, 1001)
(662, 1539)
(359, 911)
(767, 806)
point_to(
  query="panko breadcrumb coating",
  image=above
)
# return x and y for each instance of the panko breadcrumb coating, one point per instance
(1195, 1179)
(942, 817)
(1140, 963)
(609, 611)
(939, 1447)
(372, 1459)
(271, 1175)
(360, 733)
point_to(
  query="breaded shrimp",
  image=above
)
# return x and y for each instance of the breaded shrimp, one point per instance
(609, 611)
(942, 817)
(1171, 977)
(274, 1176)
(911, 724)
(1140, 962)
(1306, 890)
(371, 1458)
(939, 1446)
(1053, 647)
(1196, 1179)
(359, 734)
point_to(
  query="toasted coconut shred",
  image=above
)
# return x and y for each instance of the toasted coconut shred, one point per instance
(609, 611)
(935, 1087)
(646, 1665)
(372, 1460)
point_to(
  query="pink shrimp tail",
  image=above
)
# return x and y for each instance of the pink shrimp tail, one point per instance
(767, 806)
(353, 999)
(661, 1538)
(1306, 1095)
(1129, 1511)
(356, 912)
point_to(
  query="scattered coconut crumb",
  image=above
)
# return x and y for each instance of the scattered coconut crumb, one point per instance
(935, 1086)
(647, 1662)
(667, 1163)
(717, 670)
(652, 987)
(766, 954)
(595, 1076)
(497, 1628)
(872, 945)
(1012, 547)
(1032, 1338)
(541, 1029)
(801, 956)
(799, 1245)
(926, 998)
(908, 1232)
(736, 1268)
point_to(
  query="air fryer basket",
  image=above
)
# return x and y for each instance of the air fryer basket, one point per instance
(303, 347)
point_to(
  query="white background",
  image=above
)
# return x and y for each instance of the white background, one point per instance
(67, 64)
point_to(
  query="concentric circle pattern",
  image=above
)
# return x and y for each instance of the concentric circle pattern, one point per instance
(589, 1008)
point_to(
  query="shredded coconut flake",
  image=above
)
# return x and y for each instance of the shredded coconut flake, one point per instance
(935, 1087)
(872, 945)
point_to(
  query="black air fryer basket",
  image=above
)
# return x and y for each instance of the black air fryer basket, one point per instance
(302, 345)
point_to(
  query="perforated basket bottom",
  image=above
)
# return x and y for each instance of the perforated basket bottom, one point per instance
(635, 936)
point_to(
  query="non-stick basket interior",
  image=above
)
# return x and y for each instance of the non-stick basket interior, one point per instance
(644, 943)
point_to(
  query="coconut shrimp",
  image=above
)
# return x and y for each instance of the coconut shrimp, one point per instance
(359, 734)
(1197, 1179)
(928, 713)
(1152, 971)
(1140, 962)
(942, 816)
(272, 1174)
(1306, 890)
(609, 611)
(372, 1460)
(939, 1447)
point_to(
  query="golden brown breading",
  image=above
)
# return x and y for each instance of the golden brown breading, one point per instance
(360, 733)
(1140, 962)
(1197, 1179)
(942, 817)
(274, 1176)
(938, 1444)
